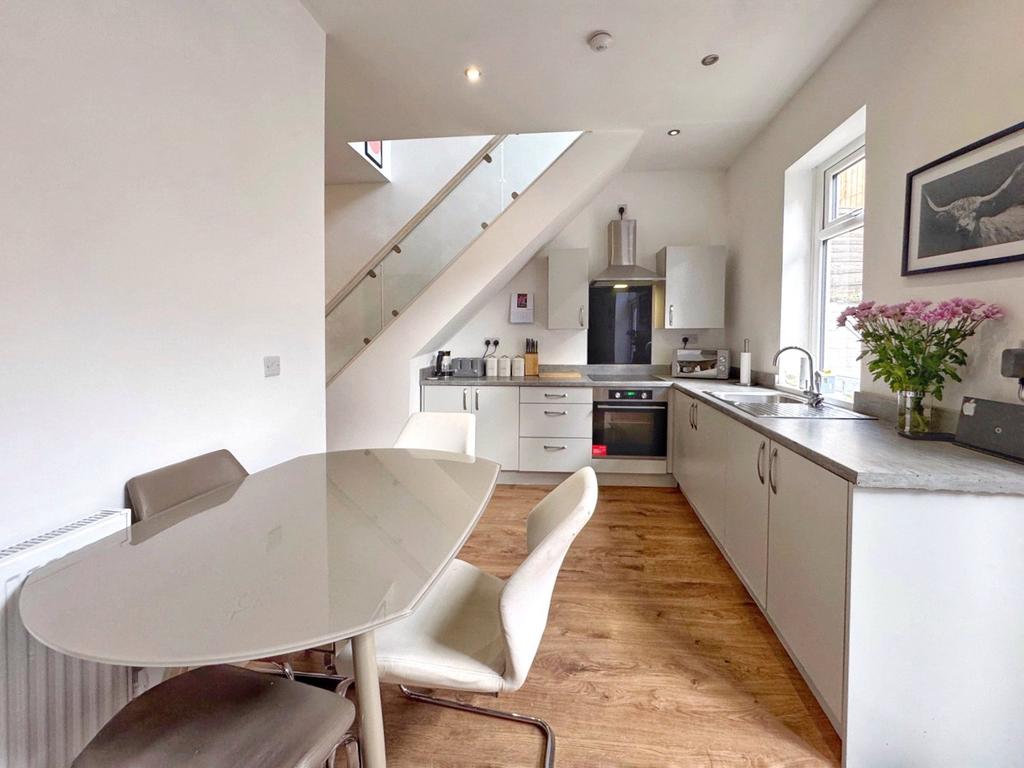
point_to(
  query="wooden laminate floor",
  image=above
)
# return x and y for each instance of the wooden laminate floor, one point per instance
(654, 655)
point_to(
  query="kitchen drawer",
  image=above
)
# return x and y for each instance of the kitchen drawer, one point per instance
(556, 419)
(553, 454)
(556, 395)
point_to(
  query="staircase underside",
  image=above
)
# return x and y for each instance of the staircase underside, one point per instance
(370, 400)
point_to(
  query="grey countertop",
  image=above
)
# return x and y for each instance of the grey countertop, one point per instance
(868, 454)
(634, 376)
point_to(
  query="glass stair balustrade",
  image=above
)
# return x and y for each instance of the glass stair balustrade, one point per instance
(496, 176)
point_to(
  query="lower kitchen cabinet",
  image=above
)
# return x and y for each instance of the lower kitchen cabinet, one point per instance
(699, 454)
(781, 521)
(553, 454)
(497, 417)
(807, 566)
(745, 494)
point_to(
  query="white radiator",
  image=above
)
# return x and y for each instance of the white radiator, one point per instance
(51, 705)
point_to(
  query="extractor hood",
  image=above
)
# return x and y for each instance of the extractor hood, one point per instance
(622, 266)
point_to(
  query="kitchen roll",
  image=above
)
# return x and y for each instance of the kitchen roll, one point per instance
(745, 368)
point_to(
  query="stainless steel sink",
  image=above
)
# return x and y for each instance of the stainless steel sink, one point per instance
(735, 398)
(776, 405)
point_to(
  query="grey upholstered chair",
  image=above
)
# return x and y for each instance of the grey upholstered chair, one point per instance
(221, 716)
(475, 632)
(157, 491)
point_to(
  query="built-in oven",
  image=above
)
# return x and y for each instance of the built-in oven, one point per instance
(632, 424)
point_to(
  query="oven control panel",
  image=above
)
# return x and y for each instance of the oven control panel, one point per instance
(630, 394)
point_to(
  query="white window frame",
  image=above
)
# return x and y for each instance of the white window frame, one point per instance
(822, 232)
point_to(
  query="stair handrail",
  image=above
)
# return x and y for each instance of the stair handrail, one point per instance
(394, 244)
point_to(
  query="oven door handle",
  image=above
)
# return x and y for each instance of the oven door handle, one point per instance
(661, 407)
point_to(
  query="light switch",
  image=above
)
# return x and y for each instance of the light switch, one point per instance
(271, 366)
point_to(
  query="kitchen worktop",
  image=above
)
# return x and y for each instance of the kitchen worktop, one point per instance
(867, 453)
(648, 376)
(870, 454)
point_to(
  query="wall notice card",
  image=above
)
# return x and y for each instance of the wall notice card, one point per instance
(521, 308)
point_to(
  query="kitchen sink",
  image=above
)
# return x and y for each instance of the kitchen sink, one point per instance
(776, 405)
(755, 397)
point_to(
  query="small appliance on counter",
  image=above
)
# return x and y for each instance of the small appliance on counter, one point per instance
(701, 364)
(443, 364)
(991, 427)
(467, 367)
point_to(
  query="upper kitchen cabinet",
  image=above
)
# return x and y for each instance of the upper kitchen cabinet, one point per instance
(693, 293)
(568, 289)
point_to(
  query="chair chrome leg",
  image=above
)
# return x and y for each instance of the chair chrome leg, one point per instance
(549, 735)
(351, 745)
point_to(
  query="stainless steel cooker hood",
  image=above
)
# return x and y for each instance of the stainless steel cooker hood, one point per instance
(622, 267)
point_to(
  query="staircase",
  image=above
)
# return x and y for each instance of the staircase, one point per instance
(465, 244)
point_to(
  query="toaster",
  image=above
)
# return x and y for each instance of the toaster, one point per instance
(701, 364)
(467, 367)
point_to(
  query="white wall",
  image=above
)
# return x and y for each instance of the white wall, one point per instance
(361, 218)
(935, 75)
(671, 208)
(161, 229)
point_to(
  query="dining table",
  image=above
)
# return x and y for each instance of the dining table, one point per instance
(320, 549)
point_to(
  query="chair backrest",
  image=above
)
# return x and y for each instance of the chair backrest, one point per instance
(159, 490)
(526, 597)
(452, 432)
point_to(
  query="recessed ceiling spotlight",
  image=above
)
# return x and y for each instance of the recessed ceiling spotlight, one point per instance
(711, 58)
(674, 132)
(600, 41)
(473, 74)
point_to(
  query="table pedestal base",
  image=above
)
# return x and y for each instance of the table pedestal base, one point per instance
(371, 718)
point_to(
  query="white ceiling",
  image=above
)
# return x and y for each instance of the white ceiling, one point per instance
(395, 68)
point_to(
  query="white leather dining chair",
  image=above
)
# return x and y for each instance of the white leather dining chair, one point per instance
(452, 432)
(473, 631)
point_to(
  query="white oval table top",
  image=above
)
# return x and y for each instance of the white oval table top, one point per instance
(317, 549)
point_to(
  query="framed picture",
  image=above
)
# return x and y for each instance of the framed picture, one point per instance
(520, 308)
(967, 209)
(374, 150)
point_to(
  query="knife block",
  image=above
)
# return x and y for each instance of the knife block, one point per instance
(532, 365)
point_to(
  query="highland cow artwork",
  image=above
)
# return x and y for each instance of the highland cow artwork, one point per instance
(967, 209)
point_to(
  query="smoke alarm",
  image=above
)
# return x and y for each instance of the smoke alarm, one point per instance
(600, 41)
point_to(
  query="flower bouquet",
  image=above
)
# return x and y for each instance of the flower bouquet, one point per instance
(915, 346)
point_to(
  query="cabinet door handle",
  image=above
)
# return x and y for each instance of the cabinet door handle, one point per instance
(696, 411)
(772, 462)
(465, 404)
(550, 395)
(671, 310)
(581, 317)
(691, 416)
(760, 462)
(555, 447)
(476, 392)
(556, 413)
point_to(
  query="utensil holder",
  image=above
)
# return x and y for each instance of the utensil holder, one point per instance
(532, 366)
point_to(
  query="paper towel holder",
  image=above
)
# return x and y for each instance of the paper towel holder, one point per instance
(745, 377)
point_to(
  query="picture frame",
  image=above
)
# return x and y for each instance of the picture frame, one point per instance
(520, 310)
(374, 151)
(966, 209)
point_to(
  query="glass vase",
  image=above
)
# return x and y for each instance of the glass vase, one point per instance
(913, 413)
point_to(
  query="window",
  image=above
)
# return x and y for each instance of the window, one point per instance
(838, 243)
